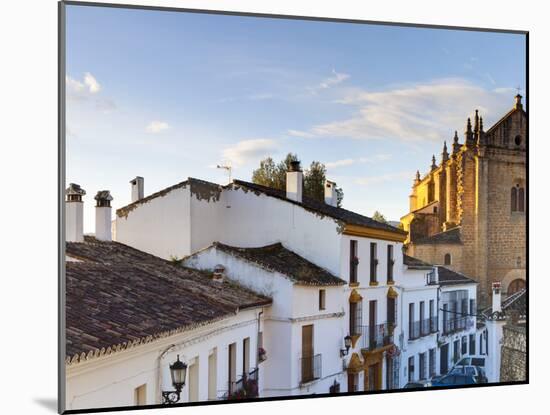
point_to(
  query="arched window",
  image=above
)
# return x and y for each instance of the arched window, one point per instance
(447, 259)
(517, 199)
(515, 286)
(517, 140)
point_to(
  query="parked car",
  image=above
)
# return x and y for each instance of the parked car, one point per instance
(455, 380)
(476, 371)
(418, 384)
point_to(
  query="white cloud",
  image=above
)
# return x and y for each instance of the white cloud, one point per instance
(370, 180)
(350, 161)
(302, 134)
(248, 150)
(91, 83)
(416, 112)
(329, 82)
(156, 127)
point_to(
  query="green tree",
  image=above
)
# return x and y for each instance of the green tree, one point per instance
(274, 175)
(377, 216)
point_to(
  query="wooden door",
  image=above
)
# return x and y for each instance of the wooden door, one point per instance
(307, 352)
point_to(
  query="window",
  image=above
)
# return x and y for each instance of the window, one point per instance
(456, 351)
(232, 366)
(424, 328)
(472, 344)
(517, 140)
(433, 321)
(431, 363)
(373, 262)
(353, 261)
(411, 369)
(140, 395)
(411, 321)
(445, 319)
(322, 295)
(481, 351)
(422, 366)
(447, 259)
(390, 263)
(517, 199)
(353, 381)
(392, 311)
(473, 310)
(355, 318)
(246, 355)
(464, 345)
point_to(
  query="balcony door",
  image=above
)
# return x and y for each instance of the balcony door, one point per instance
(444, 359)
(307, 352)
(372, 324)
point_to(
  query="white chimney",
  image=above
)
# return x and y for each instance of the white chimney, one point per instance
(331, 197)
(74, 213)
(137, 188)
(294, 182)
(496, 297)
(103, 215)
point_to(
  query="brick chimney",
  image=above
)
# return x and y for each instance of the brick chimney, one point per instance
(137, 188)
(103, 215)
(331, 197)
(496, 297)
(294, 182)
(74, 213)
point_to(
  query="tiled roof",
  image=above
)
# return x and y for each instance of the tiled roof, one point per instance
(514, 302)
(118, 297)
(321, 208)
(412, 262)
(450, 277)
(279, 259)
(451, 236)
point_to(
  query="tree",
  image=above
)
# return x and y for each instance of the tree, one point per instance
(274, 175)
(377, 216)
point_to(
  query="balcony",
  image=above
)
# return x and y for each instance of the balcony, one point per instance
(245, 387)
(454, 325)
(422, 328)
(377, 336)
(311, 368)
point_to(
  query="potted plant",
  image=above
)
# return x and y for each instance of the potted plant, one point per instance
(262, 354)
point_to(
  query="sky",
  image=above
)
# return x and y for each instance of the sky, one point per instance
(168, 95)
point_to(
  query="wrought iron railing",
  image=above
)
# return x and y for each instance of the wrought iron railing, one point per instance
(377, 336)
(455, 324)
(421, 328)
(433, 324)
(247, 386)
(311, 368)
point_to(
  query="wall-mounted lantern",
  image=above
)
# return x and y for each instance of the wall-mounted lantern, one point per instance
(347, 345)
(178, 372)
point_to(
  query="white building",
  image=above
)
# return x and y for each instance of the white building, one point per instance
(129, 315)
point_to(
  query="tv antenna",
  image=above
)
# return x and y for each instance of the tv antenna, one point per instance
(226, 167)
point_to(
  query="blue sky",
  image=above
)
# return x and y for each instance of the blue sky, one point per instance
(168, 95)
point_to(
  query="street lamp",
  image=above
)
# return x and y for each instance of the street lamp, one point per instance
(178, 371)
(347, 344)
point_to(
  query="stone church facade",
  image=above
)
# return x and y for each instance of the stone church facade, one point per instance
(469, 211)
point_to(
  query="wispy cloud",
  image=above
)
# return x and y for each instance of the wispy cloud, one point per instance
(248, 150)
(155, 127)
(414, 112)
(88, 90)
(371, 180)
(335, 79)
(361, 160)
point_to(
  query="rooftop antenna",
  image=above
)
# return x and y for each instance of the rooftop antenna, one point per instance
(226, 167)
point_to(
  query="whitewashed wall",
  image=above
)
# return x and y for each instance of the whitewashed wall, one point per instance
(110, 381)
(160, 226)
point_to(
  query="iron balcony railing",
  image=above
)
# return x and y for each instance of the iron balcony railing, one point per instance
(455, 324)
(311, 368)
(245, 381)
(433, 324)
(377, 336)
(422, 328)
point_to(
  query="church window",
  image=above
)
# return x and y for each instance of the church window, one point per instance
(517, 140)
(517, 199)
(447, 259)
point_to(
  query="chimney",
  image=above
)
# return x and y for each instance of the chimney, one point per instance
(74, 213)
(331, 197)
(294, 182)
(137, 188)
(219, 273)
(103, 215)
(496, 297)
